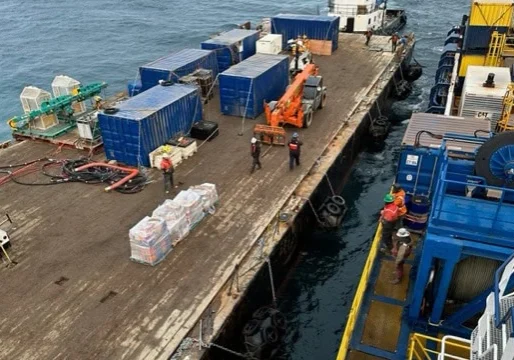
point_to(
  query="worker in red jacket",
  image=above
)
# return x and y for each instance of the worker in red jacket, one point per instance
(167, 171)
(294, 146)
(388, 218)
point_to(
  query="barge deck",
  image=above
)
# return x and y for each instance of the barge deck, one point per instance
(75, 294)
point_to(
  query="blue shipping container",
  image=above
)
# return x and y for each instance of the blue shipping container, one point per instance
(176, 65)
(315, 27)
(134, 88)
(479, 37)
(245, 86)
(147, 121)
(232, 46)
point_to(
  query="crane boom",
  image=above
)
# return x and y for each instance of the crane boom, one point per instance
(58, 103)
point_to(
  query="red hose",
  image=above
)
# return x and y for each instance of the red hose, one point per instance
(132, 173)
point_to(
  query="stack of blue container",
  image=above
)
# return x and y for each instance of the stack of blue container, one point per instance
(149, 120)
(245, 86)
(315, 27)
(174, 66)
(232, 46)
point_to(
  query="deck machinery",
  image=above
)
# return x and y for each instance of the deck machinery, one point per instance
(296, 107)
(461, 287)
(63, 107)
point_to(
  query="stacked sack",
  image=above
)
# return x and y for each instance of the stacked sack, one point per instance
(150, 241)
(174, 215)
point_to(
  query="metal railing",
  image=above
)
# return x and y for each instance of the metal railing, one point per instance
(448, 346)
(359, 295)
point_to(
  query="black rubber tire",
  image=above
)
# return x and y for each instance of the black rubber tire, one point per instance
(338, 200)
(380, 123)
(279, 321)
(333, 209)
(252, 327)
(111, 110)
(262, 313)
(484, 154)
(323, 101)
(307, 119)
(166, 83)
(271, 335)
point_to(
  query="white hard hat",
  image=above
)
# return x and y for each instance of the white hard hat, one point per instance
(254, 140)
(403, 233)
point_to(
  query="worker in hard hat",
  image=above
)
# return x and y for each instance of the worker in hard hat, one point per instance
(399, 200)
(368, 35)
(167, 171)
(401, 253)
(255, 151)
(294, 146)
(98, 102)
(388, 219)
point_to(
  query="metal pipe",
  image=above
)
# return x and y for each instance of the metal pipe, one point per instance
(451, 89)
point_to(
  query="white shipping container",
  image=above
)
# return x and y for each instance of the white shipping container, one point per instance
(482, 102)
(270, 44)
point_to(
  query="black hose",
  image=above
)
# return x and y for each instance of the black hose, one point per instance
(92, 175)
(22, 164)
(481, 131)
(419, 133)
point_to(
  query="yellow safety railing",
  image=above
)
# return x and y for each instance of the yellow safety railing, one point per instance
(359, 295)
(454, 348)
(508, 102)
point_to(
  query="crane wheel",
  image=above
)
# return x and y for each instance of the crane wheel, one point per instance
(323, 101)
(307, 118)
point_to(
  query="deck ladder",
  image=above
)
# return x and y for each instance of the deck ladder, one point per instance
(505, 123)
(495, 51)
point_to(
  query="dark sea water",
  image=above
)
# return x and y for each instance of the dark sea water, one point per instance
(106, 40)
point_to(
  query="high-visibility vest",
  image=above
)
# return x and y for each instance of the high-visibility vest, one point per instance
(293, 146)
(399, 200)
(390, 212)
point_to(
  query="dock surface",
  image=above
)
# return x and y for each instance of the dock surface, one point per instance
(76, 295)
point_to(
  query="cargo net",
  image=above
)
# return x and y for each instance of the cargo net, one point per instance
(154, 237)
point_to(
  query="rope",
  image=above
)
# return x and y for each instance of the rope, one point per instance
(273, 294)
(314, 211)
(235, 353)
(246, 108)
(330, 184)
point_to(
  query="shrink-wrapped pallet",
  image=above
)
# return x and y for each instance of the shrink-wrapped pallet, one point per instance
(208, 195)
(192, 202)
(174, 214)
(148, 231)
(154, 254)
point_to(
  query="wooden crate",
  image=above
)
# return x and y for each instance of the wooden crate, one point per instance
(320, 47)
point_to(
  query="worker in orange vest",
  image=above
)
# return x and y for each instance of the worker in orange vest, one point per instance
(388, 218)
(399, 200)
(167, 171)
(294, 151)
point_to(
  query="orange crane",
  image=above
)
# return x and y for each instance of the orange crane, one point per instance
(305, 95)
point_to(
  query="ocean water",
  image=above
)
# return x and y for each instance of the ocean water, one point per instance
(93, 40)
(107, 40)
(318, 295)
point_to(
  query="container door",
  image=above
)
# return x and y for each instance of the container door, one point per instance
(350, 24)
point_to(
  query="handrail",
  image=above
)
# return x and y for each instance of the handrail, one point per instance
(497, 275)
(359, 295)
(418, 351)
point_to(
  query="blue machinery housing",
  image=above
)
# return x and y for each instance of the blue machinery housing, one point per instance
(245, 86)
(232, 47)
(315, 27)
(145, 122)
(177, 65)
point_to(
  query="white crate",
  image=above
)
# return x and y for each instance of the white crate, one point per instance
(269, 44)
(189, 150)
(173, 152)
